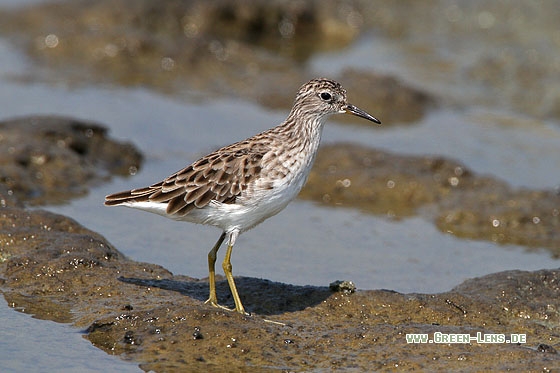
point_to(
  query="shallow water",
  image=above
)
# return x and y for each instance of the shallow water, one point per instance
(32, 345)
(306, 243)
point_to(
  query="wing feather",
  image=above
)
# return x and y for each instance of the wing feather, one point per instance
(220, 176)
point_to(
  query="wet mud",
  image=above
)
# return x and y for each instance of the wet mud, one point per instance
(459, 201)
(252, 49)
(57, 270)
(49, 159)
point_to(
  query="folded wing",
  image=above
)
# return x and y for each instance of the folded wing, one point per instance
(221, 176)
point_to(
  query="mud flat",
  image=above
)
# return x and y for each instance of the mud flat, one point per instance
(56, 269)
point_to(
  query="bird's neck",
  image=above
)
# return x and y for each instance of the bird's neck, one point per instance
(303, 132)
(304, 124)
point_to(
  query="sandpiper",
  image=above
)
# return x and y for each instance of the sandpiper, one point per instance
(240, 185)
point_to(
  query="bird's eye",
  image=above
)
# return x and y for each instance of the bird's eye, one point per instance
(326, 96)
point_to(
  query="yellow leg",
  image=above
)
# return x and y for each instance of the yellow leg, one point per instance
(226, 265)
(213, 299)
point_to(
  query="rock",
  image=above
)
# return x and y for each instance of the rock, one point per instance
(52, 159)
(385, 96)
(380, 182)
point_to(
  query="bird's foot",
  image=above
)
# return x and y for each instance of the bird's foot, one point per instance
(214, 303)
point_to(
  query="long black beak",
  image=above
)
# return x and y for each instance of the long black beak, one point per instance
(360, 113)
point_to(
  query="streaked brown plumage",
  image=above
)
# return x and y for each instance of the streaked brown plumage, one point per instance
(240, 185)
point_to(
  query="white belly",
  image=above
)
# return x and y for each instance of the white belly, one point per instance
(251, 208)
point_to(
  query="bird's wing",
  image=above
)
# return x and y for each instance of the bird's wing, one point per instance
(220, 176)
